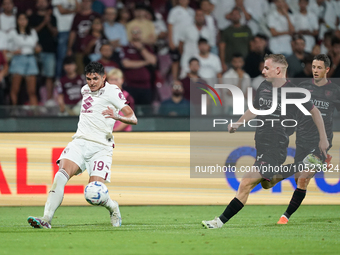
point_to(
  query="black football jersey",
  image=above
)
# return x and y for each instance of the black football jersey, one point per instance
(326, 98)
(263, 101)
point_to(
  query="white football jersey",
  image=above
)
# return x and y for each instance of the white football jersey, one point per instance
(93, 125)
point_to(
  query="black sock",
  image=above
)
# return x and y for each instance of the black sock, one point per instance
(234, 207)
(295, 202)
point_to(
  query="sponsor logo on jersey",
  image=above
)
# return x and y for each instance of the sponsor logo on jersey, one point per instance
(87, 105)
(320, 104)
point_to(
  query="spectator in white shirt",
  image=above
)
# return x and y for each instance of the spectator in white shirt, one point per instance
(64, 11)
(7, 17)
(23, 41)
(210, 64)
(281, 28)
(207, 7)
(327, 15)
(306, 24)
(222, 8)
(179, 17)
(238, 77)
(188, 45)
(258, 10)
(3, 41)
(293, 5)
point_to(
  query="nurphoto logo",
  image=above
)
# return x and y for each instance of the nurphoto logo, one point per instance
(239, 103)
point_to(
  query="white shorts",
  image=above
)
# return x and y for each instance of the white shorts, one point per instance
(94, 157)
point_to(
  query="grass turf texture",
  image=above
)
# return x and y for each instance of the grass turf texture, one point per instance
(171, 230)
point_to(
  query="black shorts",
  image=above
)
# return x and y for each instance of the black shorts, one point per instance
(175, 55)
(302, 152)
(269, 160)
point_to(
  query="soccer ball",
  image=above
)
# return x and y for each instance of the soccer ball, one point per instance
(96, 193)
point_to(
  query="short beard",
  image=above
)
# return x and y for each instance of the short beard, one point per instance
(177, 94)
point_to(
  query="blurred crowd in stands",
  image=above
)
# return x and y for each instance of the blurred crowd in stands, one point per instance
(153, 48)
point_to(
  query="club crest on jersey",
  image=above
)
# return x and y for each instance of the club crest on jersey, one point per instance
(328, 93)
(121, 96)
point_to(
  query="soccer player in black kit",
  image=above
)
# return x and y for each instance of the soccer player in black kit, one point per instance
(325, 95)
(271, 142)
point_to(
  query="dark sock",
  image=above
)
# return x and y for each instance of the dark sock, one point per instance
(295, 202)
(234, 207)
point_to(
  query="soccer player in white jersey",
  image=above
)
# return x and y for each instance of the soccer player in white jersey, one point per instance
(92, 143)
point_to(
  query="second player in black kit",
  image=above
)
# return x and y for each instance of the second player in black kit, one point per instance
(325, 95)
(326, 98)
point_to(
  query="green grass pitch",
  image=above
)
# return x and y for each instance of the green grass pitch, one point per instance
(171, 230)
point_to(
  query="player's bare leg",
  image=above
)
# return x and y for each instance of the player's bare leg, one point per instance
(248, 182)
(111, 205)
(269, 184)
(67, 169)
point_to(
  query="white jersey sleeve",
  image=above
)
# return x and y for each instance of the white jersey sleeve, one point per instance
(117, 98)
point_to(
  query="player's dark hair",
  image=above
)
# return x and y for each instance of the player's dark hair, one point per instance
(324, 58)
(95, 67)
(69, 60)
(305, 0)
(202, 40)
(277, 58)
(335, 40)
(237, 55)
(194, 59)
(27, 28)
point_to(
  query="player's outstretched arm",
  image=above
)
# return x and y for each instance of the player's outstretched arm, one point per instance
(128, 118)
(248, 115)
(317, 118)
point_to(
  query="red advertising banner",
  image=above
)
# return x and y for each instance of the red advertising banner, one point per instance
(147, 168)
